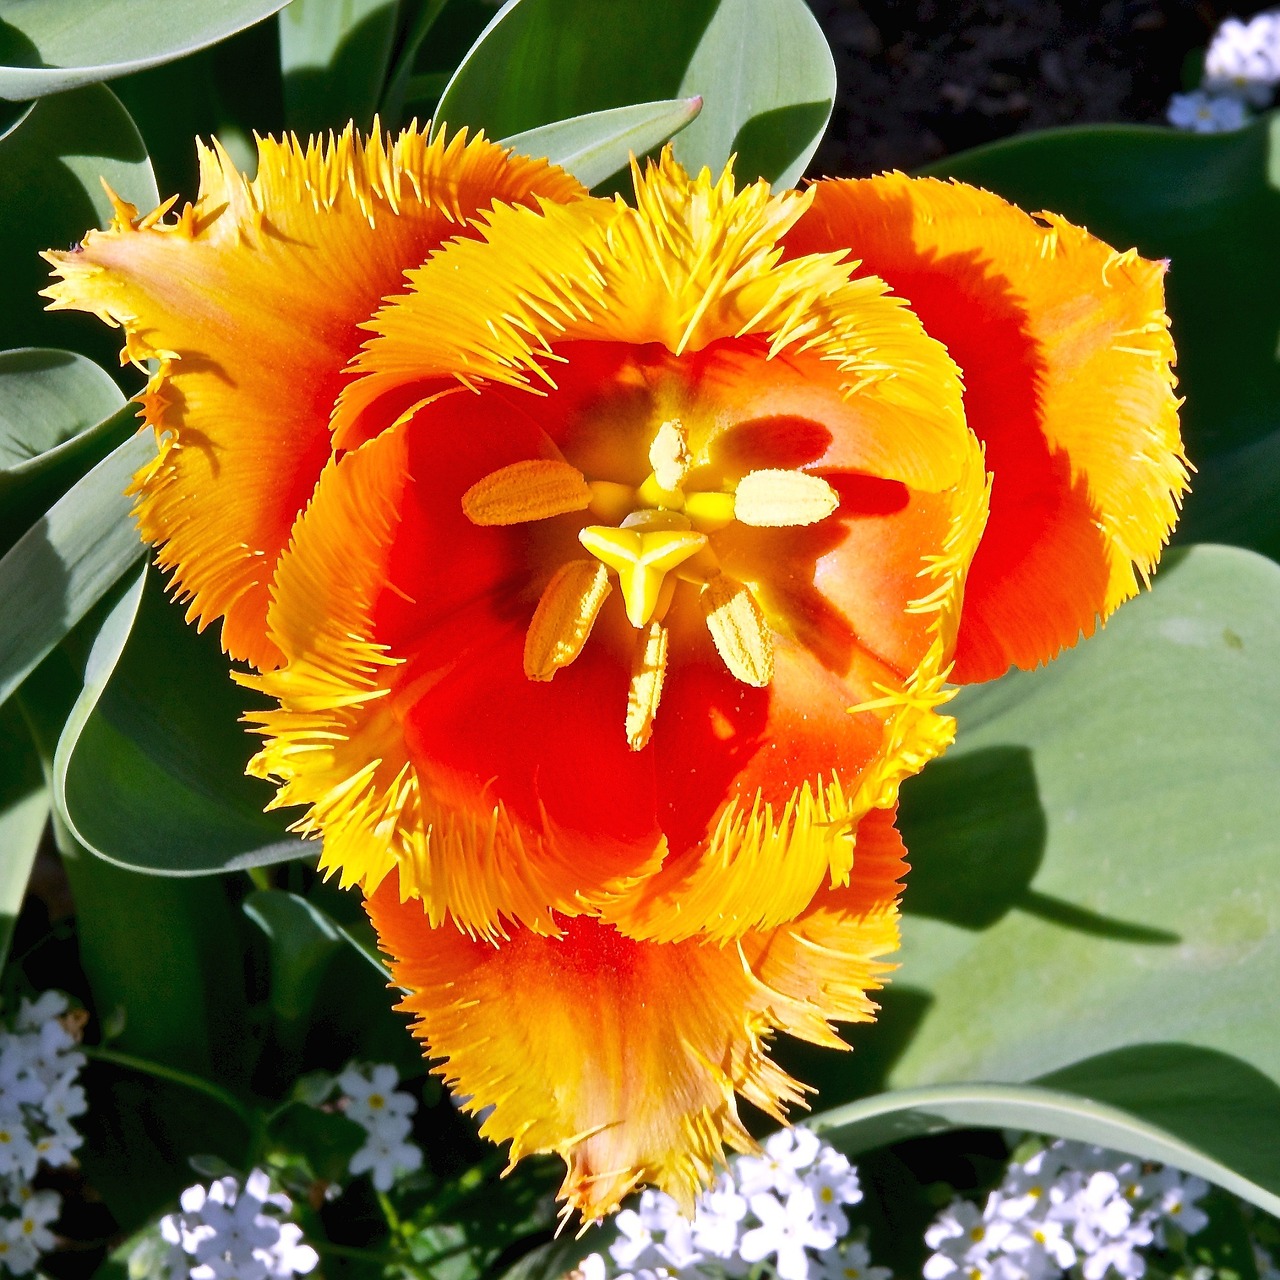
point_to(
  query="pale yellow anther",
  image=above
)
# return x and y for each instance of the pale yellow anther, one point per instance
(778, 499)
(669, 455)
(534, 489)
(642, 559)
(709, 511)
(739, 630)
(648, 672)
(564, 617)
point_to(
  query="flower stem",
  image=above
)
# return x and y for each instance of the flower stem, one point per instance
(174, 1076)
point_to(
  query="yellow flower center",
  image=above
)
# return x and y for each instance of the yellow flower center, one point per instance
(659, 532)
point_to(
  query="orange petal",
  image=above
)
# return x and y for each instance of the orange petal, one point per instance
(251, 301)
(625, 1057)
(839, 727)
(1066, 355)
(406, 721)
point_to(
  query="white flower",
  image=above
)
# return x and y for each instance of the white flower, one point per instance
(851, 1261)
(227, 1232)
(718, 1219)
(385, 1156)
(786, 1154)
(32, 1014)
(1039, 1247)
(18, 1155)
(372, 1095)
(1175, 1198)
(19, 1086)
(28, 1236)
(964, 1238)
(785, 1231)
(634, 1246)
(1243, 59)
(834, 1182)
(1204, 112)
(64, 1102)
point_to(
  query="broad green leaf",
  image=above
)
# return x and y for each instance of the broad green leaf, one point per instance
(59, 414)
(594, 147)
(24, 811)
(911, 1113)
(164, 964)
(761, 67)
(53, 162)
(67, 561)
(1210, 204)
(335, 56)
(50, 46)
(150, 768)
(1093, 904)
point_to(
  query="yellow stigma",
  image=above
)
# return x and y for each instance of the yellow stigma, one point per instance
(642, 558)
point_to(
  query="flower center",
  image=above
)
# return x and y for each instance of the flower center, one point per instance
(658, 533)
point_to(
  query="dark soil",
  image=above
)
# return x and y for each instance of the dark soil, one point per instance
(921, 79)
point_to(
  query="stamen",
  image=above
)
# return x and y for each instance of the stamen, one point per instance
(534, 489)
(669, 455)
(709, 511)
(642, 559)
(645, 692)
(739, 630)
(564, 617)
(777, 499)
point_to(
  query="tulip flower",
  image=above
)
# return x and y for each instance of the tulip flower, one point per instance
(608, 567)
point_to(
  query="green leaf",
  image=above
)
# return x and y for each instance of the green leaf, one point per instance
(302, 940)
(59, 414)
(762, 68)
(596, 146)
(164, 963)
(335, 55)
(149, 772)
(24, 811)
(1093, 904)
(50, 46)
(1209, 203)
(324, 1140)
(67, 561)
(54, 160)
(911, 1113)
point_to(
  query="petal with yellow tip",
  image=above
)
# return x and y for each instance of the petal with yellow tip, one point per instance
(251, 300)
(625, 1057)
(1066, 356)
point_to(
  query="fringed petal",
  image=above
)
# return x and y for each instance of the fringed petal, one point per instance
(624, 1057)
(406, 722)
(1066, 357)
(694, 264)
(250, 301)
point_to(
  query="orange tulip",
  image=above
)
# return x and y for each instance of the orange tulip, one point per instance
(608, 564)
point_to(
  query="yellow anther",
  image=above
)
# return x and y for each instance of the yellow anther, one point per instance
(709, 511)
(564, 617)
(777, 499)
(648, 672)
(669, 455)
(534, 489)
(642, 558)
(738, 627)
